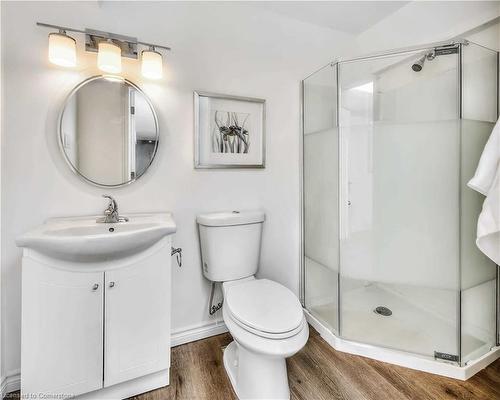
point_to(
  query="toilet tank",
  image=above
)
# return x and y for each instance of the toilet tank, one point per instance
(230, 244)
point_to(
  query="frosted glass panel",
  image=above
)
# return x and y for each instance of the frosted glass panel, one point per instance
(400, 206)
(478, 273)
(321, 195)
(476, 267)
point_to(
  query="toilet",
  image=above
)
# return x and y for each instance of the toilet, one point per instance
(264, 318)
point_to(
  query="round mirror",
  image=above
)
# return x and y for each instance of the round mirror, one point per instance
(108, 131)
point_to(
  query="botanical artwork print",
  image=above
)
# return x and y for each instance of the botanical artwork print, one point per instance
(230, 132)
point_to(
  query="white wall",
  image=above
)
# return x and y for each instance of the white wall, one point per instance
(421, 22)
(488, 36)
(223, 48)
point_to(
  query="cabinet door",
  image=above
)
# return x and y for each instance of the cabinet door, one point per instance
(137, 319)
(62, 330)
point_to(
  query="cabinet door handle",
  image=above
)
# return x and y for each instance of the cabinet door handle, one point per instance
(111, 284)
(95, 287)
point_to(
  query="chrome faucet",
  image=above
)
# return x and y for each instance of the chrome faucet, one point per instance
(111, 215)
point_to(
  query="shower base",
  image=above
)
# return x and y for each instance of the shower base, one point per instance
(379, 314)
(365, 327)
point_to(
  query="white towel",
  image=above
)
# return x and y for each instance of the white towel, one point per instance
(487, 182)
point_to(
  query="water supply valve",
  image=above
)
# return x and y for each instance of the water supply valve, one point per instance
(178, 255)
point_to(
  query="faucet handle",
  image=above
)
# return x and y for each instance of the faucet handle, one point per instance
(112, 205)
(111, 212)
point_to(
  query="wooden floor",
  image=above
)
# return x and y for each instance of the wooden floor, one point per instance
(318, 372)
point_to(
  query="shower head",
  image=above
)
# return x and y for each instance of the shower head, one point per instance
(419, 64)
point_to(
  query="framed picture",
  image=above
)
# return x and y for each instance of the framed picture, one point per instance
(229, 131)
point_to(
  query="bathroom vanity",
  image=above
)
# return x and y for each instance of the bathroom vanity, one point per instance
(96, 290)
(96, 307)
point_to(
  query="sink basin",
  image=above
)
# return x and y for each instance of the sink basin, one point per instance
(83, 239)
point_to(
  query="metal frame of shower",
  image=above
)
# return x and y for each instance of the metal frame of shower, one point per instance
(431, 46)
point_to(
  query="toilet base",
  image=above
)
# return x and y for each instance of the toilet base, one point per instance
(254, 375)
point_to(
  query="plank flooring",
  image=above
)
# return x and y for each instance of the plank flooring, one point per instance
(318, 372)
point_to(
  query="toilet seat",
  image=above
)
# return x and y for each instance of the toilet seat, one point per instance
(265, 308)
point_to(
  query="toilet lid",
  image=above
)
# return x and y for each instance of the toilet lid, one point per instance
(264, 305)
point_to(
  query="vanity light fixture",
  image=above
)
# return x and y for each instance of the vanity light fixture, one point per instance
(62, 49)
(109, 57)
(110, 48)
(151, 63)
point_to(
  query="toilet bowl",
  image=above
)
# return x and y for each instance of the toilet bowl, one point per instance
(265, 318)
(263, 338)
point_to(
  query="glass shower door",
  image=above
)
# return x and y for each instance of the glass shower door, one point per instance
(399, 201)
(320, 202)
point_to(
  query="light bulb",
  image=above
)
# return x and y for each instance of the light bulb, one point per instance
(152, 64)
(109, 57)
(62, 49)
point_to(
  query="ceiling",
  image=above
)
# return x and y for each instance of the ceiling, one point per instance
(351, 17)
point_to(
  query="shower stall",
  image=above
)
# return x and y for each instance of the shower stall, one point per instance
(390, 266)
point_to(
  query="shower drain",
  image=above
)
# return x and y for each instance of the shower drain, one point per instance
(381, 310)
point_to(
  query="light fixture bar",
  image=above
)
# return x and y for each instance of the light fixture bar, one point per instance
(154, 45)
(109, 35)
(63, 28)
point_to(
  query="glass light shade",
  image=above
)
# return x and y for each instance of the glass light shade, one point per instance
(152, 64)
(62, 50)
(109, 57)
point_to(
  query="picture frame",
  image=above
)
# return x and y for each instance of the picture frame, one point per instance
(229, 131)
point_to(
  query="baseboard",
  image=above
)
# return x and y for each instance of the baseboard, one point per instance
(197, 332)
(10, 383)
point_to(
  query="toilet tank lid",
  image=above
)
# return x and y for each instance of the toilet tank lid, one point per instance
(228, 218)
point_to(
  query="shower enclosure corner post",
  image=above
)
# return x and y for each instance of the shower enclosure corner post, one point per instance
(497, 307)
(302, 274)
(339, 191)
(460, 172)
(497, 304)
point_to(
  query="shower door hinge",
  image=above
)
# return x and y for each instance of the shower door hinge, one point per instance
(445, 50)
(446, 356)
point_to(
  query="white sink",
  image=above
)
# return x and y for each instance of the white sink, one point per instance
(83, 239)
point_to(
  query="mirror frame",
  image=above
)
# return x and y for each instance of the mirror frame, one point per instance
(60, 136)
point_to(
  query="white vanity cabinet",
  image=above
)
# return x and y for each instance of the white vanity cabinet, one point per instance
(62, 327)
(137, 320)
(97, 329)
